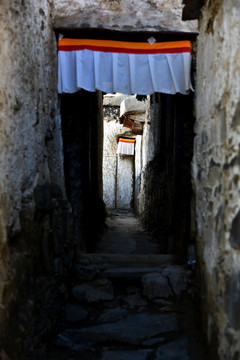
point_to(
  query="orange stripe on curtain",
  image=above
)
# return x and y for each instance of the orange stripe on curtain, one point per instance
(131, 141)
(66, 44)
(126, 67)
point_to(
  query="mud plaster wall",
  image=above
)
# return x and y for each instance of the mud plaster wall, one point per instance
(30, 144)
(216, 169)
(127, 15)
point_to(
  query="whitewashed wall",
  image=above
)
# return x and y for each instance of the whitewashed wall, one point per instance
(125, 182)
(150, 141)
(138, 168)
(118, 171)
(151, 132)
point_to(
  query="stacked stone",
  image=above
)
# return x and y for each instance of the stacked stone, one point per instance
(46, 292)
(127, 313)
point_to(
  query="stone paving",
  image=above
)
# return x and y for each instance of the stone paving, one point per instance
(129, 310)
(126, 235)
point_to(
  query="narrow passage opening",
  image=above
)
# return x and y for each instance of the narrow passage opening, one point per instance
(126, 301)
(154, 183)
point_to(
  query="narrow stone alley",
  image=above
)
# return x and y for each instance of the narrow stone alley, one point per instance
(65, 292)
(129, 302)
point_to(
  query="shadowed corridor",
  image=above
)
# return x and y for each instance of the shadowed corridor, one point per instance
(128, 302)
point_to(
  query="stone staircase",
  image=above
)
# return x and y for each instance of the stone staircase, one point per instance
(129, 307)
(110, 259)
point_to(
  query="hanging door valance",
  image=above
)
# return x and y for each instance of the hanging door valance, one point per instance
(125, 67)
(125, 146)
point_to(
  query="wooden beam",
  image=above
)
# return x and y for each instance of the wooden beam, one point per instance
(93, 33)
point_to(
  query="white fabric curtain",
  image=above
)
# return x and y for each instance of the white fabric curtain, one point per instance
(125, 148)
(141, 74)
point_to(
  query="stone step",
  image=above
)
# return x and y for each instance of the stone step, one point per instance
(95, 282)
(129, 260)
(133, 329)
(131, 272)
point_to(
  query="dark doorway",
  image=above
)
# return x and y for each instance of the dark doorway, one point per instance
(81, 114)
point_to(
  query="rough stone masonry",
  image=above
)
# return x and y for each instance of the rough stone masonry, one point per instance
(31, 177)
(151, 15)
(215, 171)
(32, 190)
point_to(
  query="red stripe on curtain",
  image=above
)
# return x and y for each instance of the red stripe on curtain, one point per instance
(124, 51)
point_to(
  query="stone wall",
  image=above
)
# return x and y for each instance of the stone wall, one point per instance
(135, 15)
(31, 177)
(154, 205)
(164, 200)
(216, 169)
